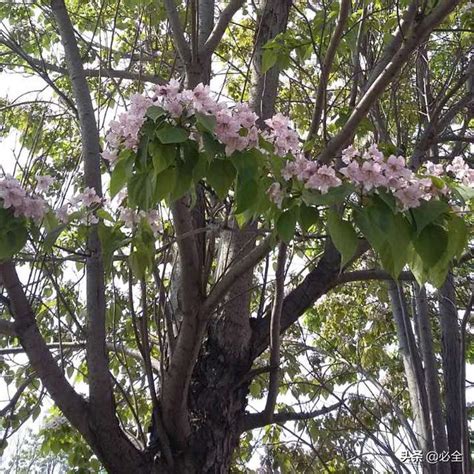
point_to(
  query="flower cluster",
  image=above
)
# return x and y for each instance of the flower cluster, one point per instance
(127, 128)
(370, 170)
(87, 199)
(130, 218)
(284, 139)
(236, 128)
(14, 196)
(461, 171)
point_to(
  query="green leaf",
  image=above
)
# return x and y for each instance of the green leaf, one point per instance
(52, 236)
(332, 197)
(269, 59)
(220, 176)
(169, 134)
(343, 236)
(308, 216)
(164, 183)
(212, 146)
(431, 244)
(154, 112)
(286, 224)
(247, 163)
(200, 170)
(140, 191)
(13, 234)
(457, 238)
(120, 175)
(162, 156)
(246, 195)
(205, 122)
(427, 213)
(389, 234)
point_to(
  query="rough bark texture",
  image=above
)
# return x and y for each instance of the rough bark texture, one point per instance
(451, 351)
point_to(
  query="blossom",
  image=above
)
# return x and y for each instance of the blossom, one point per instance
(461, 170)
(371, 175)
(275, 194)
(324, 178)
(349, 153)
(374, 153)
(169, 90)
(352, 172)
(434, 169)
(110, 156)
(128, 216)
(43, 183)
(410, 195)
(14, 197)
(89, 197)
(62, 213)
(11, 193)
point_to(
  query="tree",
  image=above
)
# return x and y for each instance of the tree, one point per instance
(181, 318)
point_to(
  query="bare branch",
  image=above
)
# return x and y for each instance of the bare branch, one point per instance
(415, 29)
(252, 421)
(245, 264)
(42, 362)
(226, 16)
(275, 334)
(182, 45)
(345, 6)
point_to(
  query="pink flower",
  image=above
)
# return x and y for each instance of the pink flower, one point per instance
(410, 196)
(278, 122)
(352, 172)
(434, 169)
(110, 156)
(33, 208)
(460, 169)
(89, 197)
(11, 193)
(169, 90)
(349, 153)
(43, 183)
(371, 175)
(174, 107)
(128, 216)
(324, 178)
(375, 153)
(62, 213)
(275, 194)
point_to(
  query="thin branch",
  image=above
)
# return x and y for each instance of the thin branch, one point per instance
(245, 264)
(177, 30)
(275, 334)
(415, 29)
(222, 23)
(345, 6)
(252, 421)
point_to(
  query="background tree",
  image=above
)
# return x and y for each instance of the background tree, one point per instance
(179, 346)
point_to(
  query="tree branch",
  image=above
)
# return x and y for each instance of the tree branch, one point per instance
(345, 6)
(222, 23)
(101, 395)
(252, 421)
(41, 360)
(235, 271)
(177, 30)
(275, 334)
(413, 32)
